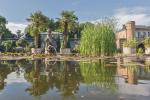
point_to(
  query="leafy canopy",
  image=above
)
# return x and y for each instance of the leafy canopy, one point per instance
(68, 17)
(37, 23)
(3, 23)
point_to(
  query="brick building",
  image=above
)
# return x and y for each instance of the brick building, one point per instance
(129, 31)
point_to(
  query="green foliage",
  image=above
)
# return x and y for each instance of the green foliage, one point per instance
(7, 34)
(22, 43)
(132, 43)
(38, 23)
(68, 22)
(98, 73)
(140, 51)
(8, 45)
(53, 25)
(70, 18)
(3, 23)
(83, 25)
(147, 42)
(99, 39)
(4, 32)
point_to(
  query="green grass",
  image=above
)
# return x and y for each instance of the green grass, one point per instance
(98, 40)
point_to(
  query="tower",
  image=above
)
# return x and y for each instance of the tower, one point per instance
(130, 29)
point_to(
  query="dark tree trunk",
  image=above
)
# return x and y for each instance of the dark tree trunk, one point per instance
(0, 38)
(65, 35)
(36, 41)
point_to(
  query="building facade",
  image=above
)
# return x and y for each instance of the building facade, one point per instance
(57, 37)
(129, 31)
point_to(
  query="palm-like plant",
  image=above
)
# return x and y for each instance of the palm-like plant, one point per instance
(68, 21)
(38, 23)
(3, 22)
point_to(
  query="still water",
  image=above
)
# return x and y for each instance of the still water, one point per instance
(109, 79)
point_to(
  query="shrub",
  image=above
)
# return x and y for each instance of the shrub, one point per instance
(8, 45)
(140, 51)
(130, 43)
(22, 43)
(147, 42)
(98, 39)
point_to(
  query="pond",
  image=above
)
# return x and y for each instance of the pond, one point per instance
(105, 79)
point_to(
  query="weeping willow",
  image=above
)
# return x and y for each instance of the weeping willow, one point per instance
(99, 74)
(98, 39)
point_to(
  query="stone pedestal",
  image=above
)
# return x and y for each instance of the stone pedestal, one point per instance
(36, 51)
(129, 51)
(46, 52)
(65, 51)
(147, 50)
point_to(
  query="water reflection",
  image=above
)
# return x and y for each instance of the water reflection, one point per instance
(5, 69)
(133, 71)
(68, 79)
(65, 76)
(99, 73)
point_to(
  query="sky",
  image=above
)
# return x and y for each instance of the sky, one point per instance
(17, 11)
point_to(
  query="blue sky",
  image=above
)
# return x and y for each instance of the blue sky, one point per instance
(16, 11)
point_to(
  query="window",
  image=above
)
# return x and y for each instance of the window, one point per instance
(138, 34)
(148, 34)
(144, 34)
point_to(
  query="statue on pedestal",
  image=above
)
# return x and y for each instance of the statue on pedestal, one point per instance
(50, 43)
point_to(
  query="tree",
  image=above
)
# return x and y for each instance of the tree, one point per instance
(3, 23)
(38, 23)
(22, 43)
(67, 21)
(8, 45)
(7, 34)
(53, 25)
(18, 33)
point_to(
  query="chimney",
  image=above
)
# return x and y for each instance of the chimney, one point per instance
(130, 29)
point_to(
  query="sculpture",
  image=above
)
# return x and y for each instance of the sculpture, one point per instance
(50, 43)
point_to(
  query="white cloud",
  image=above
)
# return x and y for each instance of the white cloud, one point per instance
(13, 27)
(138, 14)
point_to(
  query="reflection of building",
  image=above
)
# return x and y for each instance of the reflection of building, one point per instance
(133, 81)
(129, 74)
(132, 72)
(130, 31)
